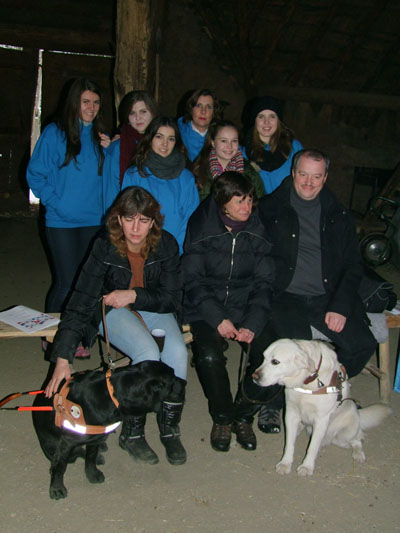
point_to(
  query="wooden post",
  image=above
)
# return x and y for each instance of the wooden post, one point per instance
(135, 64)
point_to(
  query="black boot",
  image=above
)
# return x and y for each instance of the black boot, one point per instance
(132, 440)
(168, 419)
(242, 426)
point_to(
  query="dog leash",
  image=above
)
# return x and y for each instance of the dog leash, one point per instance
(15, 395)
(244, 360)
(111, 363)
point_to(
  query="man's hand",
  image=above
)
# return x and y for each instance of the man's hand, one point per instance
(335, 321)
(61, 371)
(227, 330)
(118, 299)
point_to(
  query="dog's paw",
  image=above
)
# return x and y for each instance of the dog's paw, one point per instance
(358, 456)
(100, 460)
(94, 475)
(304, 470)
(283, 468)
(57, 493)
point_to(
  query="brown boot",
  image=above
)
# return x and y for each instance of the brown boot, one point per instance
(245, 435)
(221, 437)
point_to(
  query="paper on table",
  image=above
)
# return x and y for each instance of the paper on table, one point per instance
(27, 319)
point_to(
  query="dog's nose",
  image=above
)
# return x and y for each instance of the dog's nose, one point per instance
(256, 376)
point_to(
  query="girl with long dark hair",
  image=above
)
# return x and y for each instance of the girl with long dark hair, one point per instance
(159, 166)
(220, 153)
(65, 172)
(269, 143)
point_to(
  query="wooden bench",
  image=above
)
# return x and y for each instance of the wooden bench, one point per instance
(382, 372)
(9, 332)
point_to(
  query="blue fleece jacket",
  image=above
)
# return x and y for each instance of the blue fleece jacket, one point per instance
(73, 194)
(273, 179)
(192, 140)
(111, 170)
(178, 198)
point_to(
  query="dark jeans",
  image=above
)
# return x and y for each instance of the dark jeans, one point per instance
(210, 364)
(68, 248)
(292, 315)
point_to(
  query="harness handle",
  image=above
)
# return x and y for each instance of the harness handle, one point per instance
(15, 395)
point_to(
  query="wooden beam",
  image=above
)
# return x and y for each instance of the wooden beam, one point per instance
(340, 98)
(136, 29)
(47, 38)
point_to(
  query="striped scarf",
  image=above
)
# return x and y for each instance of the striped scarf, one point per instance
(236, 164)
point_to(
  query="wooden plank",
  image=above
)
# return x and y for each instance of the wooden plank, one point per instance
(9, 332)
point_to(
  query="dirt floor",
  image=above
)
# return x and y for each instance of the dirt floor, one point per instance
(215, 492)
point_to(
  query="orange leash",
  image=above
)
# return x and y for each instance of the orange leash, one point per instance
(15, 395)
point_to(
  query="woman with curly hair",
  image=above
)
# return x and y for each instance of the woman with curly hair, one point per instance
(202, 109)
(133, 269)
(269, 144)
(160, 167)
(220, 153)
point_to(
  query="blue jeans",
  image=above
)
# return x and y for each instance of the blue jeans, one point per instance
(68, 249)
(128, 335)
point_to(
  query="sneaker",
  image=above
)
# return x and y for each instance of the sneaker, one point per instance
(269, 420)
(82, 353)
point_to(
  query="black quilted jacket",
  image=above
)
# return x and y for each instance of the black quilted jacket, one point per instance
(106, 271)
(225, 275)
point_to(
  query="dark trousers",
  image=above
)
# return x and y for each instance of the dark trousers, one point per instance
(292, 315)
(68, 249)
(210, 364)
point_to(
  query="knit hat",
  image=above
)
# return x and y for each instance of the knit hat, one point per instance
(261, 103)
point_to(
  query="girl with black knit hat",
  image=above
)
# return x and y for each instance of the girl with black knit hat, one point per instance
(269, 143)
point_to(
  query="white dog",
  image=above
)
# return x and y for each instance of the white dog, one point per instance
(317, 397)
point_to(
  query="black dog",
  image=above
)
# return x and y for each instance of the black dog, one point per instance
(139, 389)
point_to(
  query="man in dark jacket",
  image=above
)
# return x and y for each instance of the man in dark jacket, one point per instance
(318, 265)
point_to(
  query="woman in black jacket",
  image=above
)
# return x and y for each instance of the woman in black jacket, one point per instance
(134, 270)
(228, 274)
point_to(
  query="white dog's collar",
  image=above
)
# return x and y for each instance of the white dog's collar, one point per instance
(324, 390)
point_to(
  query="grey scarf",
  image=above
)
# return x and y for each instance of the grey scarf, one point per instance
(165, 168)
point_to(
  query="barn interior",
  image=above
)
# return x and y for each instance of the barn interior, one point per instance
(333, 64)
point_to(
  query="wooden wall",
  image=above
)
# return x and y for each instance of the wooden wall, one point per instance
(355, 132)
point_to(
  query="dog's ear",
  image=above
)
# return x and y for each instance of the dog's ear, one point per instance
(304, 356)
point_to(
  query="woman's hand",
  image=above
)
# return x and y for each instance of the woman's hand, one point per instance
(61, 371)
(118, 299)
(245, 335)
(227, 330)
(115, 138)
(104, 140)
